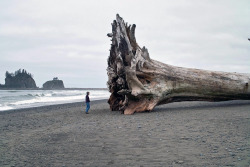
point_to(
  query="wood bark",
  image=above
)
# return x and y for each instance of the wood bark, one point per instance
(138, 83)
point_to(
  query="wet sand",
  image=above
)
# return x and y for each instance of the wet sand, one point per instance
(179, 134)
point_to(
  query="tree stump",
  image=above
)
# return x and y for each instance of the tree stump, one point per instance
(138, 83)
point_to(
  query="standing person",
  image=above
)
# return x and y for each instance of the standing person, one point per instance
(87, 103)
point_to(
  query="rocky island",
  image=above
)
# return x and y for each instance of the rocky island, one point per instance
(21, 79)
(54, 84)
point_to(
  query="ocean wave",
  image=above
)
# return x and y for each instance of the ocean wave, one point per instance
(38, 95)
(25, 99)
(3, 108)
(68, 93)
(47, 100)
(12, 91)
(56, 99)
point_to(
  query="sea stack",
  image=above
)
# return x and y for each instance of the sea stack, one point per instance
(21, 79)
(54, 84)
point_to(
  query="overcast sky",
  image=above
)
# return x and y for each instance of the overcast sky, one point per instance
(67, 38)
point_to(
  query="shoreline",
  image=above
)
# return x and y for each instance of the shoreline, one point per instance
(174, 105)
(54, 89)
(51, 106)
(19, 99)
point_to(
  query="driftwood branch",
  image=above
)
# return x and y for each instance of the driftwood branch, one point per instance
(138, 83)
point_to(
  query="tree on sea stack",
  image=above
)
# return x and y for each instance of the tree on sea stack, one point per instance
(137, 83)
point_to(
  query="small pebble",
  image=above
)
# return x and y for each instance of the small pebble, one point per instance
(180, 162)
(232, 154)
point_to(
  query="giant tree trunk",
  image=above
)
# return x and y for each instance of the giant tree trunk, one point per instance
(138, 83)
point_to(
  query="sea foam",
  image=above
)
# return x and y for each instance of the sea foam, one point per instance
(32, 98)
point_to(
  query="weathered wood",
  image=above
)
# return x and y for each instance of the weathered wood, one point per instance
(138, 83)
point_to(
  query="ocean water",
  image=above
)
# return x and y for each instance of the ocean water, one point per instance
(16, 99)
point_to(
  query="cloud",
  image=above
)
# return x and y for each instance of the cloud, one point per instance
(68, 38)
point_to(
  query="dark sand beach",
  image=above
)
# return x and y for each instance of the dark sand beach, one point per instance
(178, 134)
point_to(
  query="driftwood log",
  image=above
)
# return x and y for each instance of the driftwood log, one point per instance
(138, 83)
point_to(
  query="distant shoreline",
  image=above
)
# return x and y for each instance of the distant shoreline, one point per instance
(54, 89)
(52, 106)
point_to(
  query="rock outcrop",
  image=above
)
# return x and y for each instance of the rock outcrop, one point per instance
(20, 79)
(53, 84)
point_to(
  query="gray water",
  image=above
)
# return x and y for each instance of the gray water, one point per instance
(16, 99)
